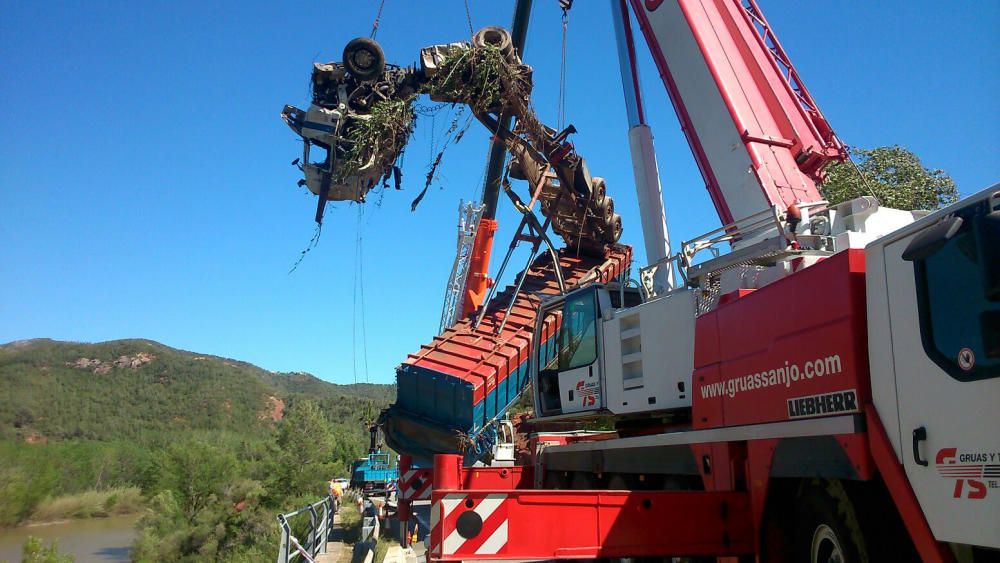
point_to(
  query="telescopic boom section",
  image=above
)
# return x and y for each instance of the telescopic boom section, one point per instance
(732, 85)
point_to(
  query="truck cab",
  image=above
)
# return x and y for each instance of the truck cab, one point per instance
(933, 293)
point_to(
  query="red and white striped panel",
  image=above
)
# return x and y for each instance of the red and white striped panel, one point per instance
(415, 484)
(486, 536)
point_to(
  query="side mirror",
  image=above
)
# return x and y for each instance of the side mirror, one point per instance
(932, 239)
(987, 230)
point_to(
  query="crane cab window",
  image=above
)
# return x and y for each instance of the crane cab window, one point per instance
(574, 345)
(959, 326)
(578, 333)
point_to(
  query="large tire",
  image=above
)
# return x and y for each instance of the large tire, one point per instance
(827, 529)
(614, 230)
(598, 189)
(607, 210)
(364, 59)
(497, 37)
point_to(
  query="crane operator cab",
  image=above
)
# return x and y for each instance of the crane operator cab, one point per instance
(569, 381)
(593, 359)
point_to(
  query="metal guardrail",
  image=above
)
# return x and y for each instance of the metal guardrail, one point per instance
(320, 523)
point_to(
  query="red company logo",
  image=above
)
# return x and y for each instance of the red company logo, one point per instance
(973, 476)
(587, 392)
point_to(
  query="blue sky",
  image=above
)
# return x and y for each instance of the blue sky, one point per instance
(146, 189)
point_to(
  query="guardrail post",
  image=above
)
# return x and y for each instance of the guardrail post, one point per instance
(324, 526)
(320, 527)
(331, 511)
(312, 530)
(283, 545)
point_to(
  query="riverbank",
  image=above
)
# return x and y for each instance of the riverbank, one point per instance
(118, 501)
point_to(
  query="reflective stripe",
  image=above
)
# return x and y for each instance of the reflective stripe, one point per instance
(407, 481)
(453, 542)
(485, 508)
(489, 504)
(495, 542)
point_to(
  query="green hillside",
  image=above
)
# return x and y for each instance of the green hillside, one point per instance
(88, 430)
(130, 389)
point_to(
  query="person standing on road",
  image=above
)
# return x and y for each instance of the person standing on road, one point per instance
(336, 491)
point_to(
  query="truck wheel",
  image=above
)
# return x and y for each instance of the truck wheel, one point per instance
(598, 189)
(606, 210)
(364, 59)
(614, 230)
(496, 37)
(827, 529)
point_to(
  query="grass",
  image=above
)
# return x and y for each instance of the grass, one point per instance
(382, 547)
(89, 504)
(473, 77)
(378, 139)
(350, 522)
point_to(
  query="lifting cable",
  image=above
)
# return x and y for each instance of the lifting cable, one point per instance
(378, 16)
(864, 177)
(561, 109)
(359, 290)
(468, 18)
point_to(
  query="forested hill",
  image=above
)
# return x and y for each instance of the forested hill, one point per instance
(127, 389)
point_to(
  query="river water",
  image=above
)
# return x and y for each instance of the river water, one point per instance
(100, 540)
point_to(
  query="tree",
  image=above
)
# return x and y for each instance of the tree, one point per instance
(895, 175)
(194, 472)
(305, 442)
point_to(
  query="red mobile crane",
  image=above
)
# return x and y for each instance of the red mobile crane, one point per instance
(825, 391)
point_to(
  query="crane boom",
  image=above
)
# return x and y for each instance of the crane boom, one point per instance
(732, 85)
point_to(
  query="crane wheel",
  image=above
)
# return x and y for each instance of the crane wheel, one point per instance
(364, 59)
(826, 526)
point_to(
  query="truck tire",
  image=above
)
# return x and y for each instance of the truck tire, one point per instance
(598, 190)
(496, 37)
(614, 231)
(364, 59)
(826, 527)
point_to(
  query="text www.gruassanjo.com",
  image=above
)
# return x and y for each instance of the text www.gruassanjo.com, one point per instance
(785, 375)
